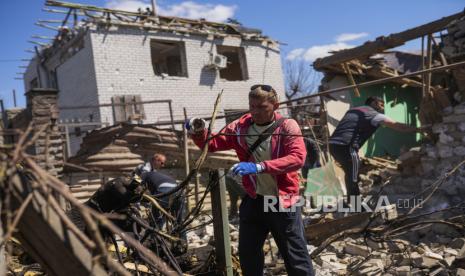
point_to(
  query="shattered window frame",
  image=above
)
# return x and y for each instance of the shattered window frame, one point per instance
(165, 67)
(230, 73)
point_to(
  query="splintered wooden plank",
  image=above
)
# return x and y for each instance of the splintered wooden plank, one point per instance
(47, 239)
(380, 44)
(317, 233)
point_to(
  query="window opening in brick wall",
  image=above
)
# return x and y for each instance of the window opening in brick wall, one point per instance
(236, 68)
(168, 58)
(128, 108)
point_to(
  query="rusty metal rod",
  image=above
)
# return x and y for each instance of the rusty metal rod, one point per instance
(113, 104)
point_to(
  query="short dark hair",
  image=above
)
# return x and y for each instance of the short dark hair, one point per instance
(264, 92)
(373, 99)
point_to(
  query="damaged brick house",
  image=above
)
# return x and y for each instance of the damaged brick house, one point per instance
(412, 99)
(436, 99)
(111, 60)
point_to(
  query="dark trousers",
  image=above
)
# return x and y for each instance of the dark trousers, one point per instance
(235, 191)
(347, 156)
(287, 230)
(175, 204)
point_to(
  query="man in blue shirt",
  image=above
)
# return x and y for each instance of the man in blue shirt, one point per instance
(354, 129)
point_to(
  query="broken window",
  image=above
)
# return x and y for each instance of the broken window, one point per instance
(236, 68)
(128, 108)
(168, 58)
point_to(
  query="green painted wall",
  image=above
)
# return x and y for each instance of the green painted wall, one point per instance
(401, 104)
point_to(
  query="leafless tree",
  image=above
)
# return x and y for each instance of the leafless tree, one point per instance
(301, 80)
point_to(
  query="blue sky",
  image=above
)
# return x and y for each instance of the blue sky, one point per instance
(308, 27)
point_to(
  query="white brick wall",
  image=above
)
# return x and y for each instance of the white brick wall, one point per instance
(123, 66)
(118, 62)
(77, 87)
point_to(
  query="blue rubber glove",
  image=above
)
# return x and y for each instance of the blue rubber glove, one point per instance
(245, 168)
(187, 124)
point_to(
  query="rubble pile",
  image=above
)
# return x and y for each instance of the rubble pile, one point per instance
(453, 47)
(421, 167)
(454, 41)
(395, 257)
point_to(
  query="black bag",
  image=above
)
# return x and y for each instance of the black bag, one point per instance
(264, 135)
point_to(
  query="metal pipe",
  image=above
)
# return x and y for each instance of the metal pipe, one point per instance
(171, 115)
(186, 156)
(14, 99)
(4, 117)
(68, 143)
(113, 104)
(429, 60)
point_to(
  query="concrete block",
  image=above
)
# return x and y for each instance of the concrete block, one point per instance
(428, 163)
(425, 262)
(445, 151)
(431, 152)
(456, 118)
(459, 109)
(439, 128)
(445, 139)
(459, 151)
(461, 126)
(433, 255)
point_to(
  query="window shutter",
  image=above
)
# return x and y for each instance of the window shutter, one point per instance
(139, 108)
(118, 110)
(129, 107)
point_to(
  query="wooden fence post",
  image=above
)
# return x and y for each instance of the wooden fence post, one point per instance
(220, 222)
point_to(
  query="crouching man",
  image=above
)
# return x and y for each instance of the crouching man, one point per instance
(158, 183)
(271, 150)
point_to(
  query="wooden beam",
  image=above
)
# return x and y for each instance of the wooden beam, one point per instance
(87, 7)
(317, 233)
(221, 223)
(42, 232)
(429, 61)
(382, 43)
(47, 26)
(351, 79)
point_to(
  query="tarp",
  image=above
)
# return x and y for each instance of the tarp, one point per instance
(327, 180)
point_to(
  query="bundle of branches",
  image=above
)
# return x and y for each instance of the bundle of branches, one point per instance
(28, 191)
(32, 201)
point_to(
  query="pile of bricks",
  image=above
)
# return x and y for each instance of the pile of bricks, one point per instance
(454, 42)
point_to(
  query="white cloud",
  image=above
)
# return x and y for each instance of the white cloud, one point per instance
(127, 5)
(350, 36)
(187, 9)
(194, 10)
(319, 51)
(295, 54)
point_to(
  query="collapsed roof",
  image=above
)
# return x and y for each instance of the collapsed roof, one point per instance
(105, 17)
